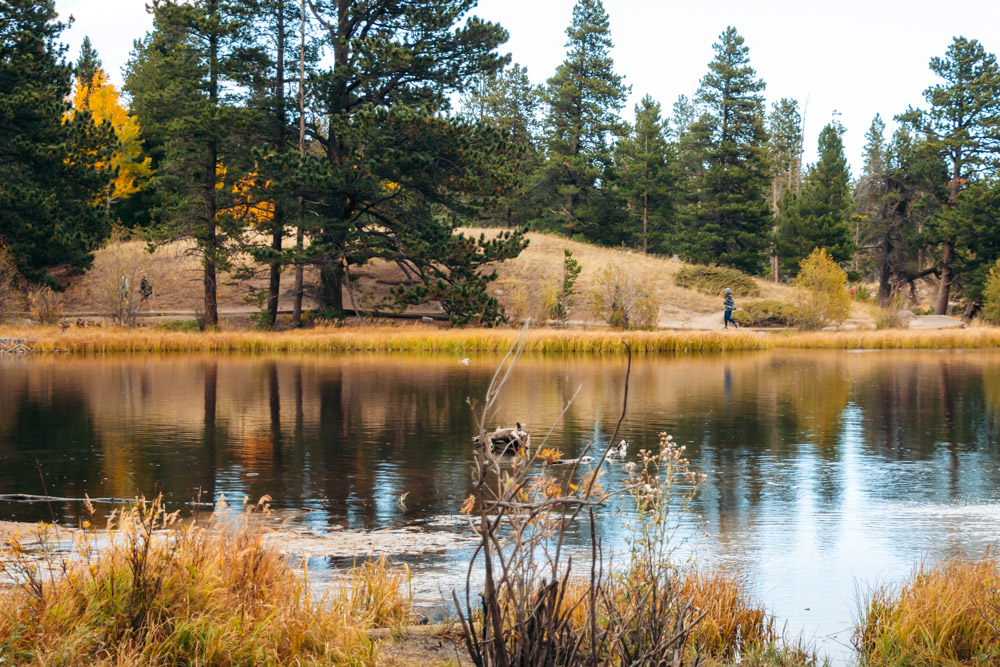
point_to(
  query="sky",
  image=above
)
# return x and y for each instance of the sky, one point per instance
(849, 59)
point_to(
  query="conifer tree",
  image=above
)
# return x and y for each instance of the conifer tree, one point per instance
(785, 147)
(728, 217)
(52, 168)
(187, 82)
(397, 176)
(88, 63)
(584, 98)
(646, 176)
(818, 219)
(508, 101)
(962, 124)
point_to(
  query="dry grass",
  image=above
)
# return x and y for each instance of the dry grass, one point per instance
(541, 264)
(419, 338)
(946, 614)
(893, 339)
(152, 591)
(382, 339)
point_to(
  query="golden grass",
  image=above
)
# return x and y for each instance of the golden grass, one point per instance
(468, 341)
(151, 591)
(384, 339)
(946, 614)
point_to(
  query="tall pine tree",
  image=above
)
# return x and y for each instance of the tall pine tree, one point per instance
(508, 101)
(646, 177)
(963, 128)
(584, 98)
(784, 125)
(52, 167)
(397, 174)
(728, 217)
(819, 218)
(188, 86)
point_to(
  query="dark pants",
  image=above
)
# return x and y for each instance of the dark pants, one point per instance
(728, 318)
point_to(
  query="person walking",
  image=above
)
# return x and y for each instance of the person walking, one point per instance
(730, 306)
(146, 291)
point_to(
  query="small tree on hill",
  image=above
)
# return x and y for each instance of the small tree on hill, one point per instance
(564, 297)
(823, 295)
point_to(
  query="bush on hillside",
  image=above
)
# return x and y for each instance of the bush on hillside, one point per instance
(823, 295)
(768, 314)
(623, 300)
(713, 279)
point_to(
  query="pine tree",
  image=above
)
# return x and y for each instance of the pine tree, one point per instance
(785, 147)
(728, 217)
(187, 82)
(646, 176)
(508, 101)
(271, 182)
(50, 173)
(584, 98)
(397, 176)
(899, 189)
(818, 219)
(963, 128)
(88, 64)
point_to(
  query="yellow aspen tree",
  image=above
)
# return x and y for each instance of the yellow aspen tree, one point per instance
(131, 169)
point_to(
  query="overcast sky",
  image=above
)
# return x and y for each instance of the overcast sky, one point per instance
(853, 57)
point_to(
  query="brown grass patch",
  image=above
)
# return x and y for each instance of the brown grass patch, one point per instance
(945, 614)
(153, 591)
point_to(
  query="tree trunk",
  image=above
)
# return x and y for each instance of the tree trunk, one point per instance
(274, 278)
(278, 221)
(645, 222)
(299, 233)
(331, 289)
(211, 164)
(944, 287)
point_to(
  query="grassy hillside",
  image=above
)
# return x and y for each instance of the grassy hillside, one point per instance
(175, 271)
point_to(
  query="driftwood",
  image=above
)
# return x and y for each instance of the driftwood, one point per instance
(506, 440)
(13, 346)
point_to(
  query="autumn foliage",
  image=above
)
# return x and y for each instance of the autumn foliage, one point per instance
(131, 169)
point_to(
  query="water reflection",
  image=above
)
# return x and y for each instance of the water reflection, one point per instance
(823, 467)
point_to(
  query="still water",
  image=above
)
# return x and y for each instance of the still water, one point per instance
(827, 471)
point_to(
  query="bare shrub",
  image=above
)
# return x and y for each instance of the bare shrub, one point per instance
(44, 305)
(532, 609)
(11, 299)
(124, 262)
(622, 300)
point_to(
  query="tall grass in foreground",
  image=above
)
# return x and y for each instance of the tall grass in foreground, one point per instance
(154, 591)
(943, 615)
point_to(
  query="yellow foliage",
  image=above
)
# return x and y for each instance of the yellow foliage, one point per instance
(246, 208)
(823, 296)
(102, 100)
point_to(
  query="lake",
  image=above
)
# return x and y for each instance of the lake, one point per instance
(827, 471)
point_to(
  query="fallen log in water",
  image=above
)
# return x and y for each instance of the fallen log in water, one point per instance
(14, 346)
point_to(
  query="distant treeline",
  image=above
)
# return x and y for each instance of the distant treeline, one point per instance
(325, 133)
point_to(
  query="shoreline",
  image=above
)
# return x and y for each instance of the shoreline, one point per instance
(429, 339)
